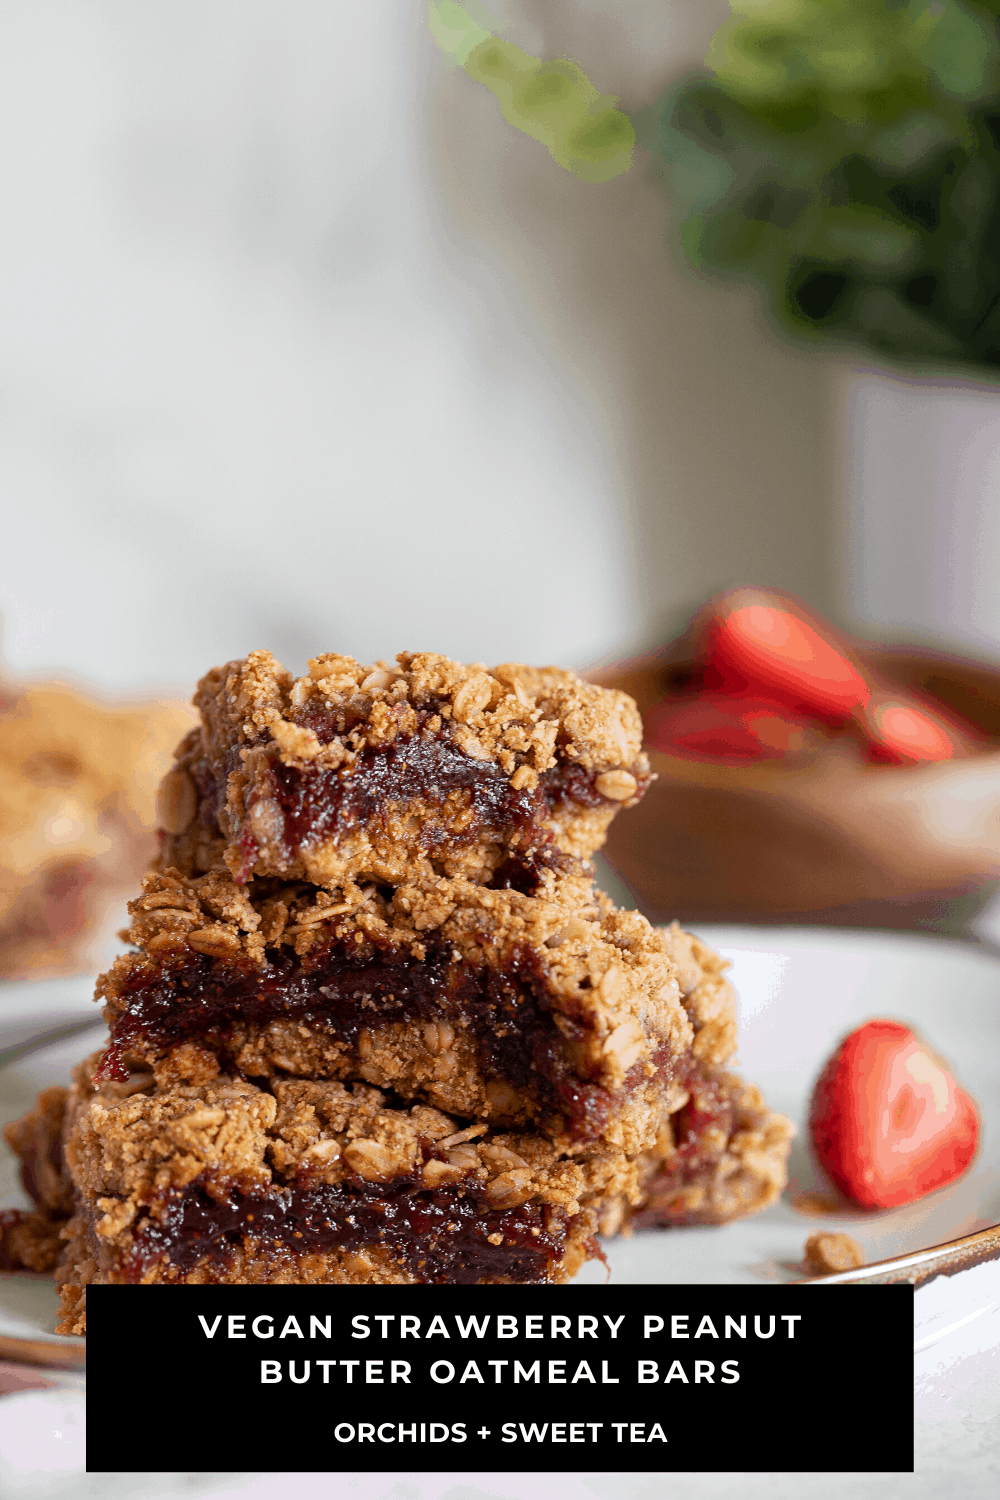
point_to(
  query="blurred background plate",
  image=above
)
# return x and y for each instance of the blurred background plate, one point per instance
(32, 1009)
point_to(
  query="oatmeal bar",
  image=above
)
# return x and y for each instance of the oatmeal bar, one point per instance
(31, 1240)
(426, 768)
(552, 1010)
(721, 1156)
(213, 1179)
(77, 785)
(720, 1153)
(172, 1167)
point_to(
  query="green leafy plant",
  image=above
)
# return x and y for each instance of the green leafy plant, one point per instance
(845, 155)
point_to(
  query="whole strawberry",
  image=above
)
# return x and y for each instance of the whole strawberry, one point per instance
(759, 643)
(888, 1122)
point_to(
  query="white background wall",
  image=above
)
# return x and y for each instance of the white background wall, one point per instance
(301, 345)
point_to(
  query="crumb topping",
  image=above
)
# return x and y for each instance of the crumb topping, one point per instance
(341, 706)
(426, 767)
(707, 996)
(825, 1253)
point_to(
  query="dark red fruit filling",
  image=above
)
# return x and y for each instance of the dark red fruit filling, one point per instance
(320, 803)
(708, 1107)
(693, 1159)
(345, 987)
(437, 1235)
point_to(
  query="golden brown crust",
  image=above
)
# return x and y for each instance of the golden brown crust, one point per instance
(513, 724)
(126, 1143)
(77, 1268)
(707, 996)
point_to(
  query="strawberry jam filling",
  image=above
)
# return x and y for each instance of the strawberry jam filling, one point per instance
(701, 1129)
(343, 988)
(320, 803)
(437, 1235)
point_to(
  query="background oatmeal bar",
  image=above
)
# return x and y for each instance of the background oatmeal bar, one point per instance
(78, 781)
(214, 1179)
(553, 1010)
(392, 773)
(31, 1240)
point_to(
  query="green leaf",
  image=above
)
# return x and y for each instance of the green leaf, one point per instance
(455, 30)
(855, 236)
(554, 102)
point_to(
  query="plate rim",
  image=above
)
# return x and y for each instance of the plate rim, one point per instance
(918, 1267)
(46, 1352)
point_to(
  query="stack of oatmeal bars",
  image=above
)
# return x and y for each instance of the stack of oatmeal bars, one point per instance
(377, 1023)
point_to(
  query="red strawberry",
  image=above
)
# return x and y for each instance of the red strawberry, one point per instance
(762, 644)
(888, 1122)
(715, 726)
(901, 730)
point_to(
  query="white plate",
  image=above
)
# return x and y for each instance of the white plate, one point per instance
(800, 991)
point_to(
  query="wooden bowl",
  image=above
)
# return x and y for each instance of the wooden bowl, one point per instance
(828, 839)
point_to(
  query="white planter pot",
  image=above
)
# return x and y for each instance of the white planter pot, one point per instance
(923, 510)
(922, 551)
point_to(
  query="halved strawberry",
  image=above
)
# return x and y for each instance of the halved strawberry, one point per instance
(770, 645)
(717, 726)
(888, 1122)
